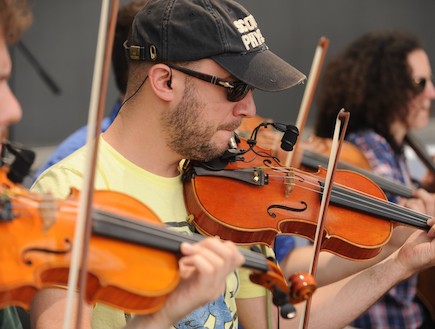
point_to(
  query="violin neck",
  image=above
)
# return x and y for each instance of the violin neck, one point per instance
(378, 207)
(159, 237)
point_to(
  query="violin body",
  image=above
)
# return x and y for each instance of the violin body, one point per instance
(119, 273)
(287, 204)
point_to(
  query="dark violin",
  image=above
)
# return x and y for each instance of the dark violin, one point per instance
(251, 200)
(132, 261)
(315, 153)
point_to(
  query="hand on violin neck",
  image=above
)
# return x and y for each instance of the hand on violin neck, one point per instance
(210, 255)
(204, 268)
(418, 252)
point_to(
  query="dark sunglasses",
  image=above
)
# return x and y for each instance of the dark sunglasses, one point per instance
(237, 90)
(420, 83)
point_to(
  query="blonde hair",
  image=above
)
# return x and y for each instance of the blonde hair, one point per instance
(15, 17)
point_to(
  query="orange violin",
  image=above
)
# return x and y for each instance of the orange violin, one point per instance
(132, 263)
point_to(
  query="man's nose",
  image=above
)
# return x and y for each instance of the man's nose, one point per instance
(246, 107)
(10, 109)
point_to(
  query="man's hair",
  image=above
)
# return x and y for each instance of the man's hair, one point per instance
(119, 58)
(372, 79)
(15, 17)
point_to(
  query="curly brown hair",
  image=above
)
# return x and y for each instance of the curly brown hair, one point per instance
(15, 17)
(371, 78)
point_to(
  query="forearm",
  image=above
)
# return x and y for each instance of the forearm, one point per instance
(330, 268)
(337, 304)
(49, 307)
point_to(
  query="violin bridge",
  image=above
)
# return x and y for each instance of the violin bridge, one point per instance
(288, 182)
(48, 211)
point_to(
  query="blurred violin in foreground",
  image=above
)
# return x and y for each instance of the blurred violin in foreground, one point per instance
(132, 256)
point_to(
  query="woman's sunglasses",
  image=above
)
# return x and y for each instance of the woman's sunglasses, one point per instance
(420, 83)
(237, 90)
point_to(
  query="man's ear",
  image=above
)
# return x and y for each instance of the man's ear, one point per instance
(160, 77)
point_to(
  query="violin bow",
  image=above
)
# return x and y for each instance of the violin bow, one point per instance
(313, 78)
(96, 109)
(342, 118)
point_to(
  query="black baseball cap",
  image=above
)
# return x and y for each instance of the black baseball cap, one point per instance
(223, 30)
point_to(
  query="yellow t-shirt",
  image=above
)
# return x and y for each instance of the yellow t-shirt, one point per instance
(165, 197)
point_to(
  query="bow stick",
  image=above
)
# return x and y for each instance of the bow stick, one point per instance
(96, 110)
(307, 98)
(327, 188)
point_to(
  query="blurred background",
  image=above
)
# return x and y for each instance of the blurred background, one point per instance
(63, 38)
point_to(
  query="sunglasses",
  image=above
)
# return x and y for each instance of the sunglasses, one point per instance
(237, 90)
(420, 83)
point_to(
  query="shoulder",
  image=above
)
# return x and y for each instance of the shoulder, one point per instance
(366, 137)
(59, 178)
(72, 143)
(371, 143)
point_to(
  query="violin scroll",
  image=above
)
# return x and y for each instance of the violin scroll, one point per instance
(300, 288)
(303, 286)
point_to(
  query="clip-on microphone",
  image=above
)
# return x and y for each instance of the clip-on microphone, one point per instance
(22, 163)
(233, 153)
(289, 138)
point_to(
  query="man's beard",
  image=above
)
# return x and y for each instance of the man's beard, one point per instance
(189, 135)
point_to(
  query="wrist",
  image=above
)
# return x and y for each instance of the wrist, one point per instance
(396, 269)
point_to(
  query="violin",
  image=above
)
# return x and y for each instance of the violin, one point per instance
(315, 152)
(132, 257)
(284, 200)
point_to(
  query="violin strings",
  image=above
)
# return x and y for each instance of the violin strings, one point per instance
(67, 205)
(163, 234)
(383, 208)
(357, 200)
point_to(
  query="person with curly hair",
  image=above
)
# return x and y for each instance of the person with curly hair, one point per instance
(384, 79)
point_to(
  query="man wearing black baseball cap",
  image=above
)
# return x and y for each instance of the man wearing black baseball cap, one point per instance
(194, 65)
(181, 31)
